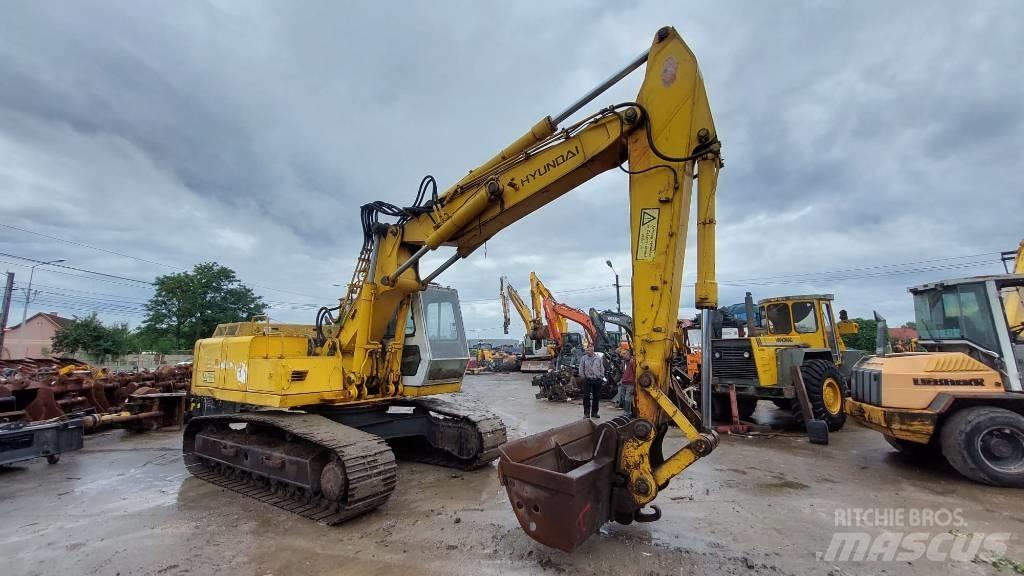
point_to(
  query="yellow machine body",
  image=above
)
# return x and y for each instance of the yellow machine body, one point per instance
(913, 384)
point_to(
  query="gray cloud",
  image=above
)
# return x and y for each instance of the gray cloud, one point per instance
(856, 134)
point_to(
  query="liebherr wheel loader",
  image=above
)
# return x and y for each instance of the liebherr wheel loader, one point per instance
(963, 397)
(308, 417)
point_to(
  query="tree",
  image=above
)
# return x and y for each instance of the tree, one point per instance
(864, 339)
(911, 325)
(91, 336)
(188, 306)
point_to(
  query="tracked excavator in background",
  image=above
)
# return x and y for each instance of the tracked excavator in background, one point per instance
(309, 418)
(537, 353)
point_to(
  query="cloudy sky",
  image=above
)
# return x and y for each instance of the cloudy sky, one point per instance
(869, 146)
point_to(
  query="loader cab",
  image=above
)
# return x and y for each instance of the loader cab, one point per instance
(435, 353)
(977, 316)
(806, 320)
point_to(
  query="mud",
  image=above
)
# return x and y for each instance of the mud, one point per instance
(125, 506)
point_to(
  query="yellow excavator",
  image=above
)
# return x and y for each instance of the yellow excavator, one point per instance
(537, 352)
(962, 397)
(308, 418)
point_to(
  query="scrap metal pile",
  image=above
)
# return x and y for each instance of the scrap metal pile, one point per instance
(562, 384)
(39, 390)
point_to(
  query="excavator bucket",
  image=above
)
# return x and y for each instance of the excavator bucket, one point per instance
(560, 481)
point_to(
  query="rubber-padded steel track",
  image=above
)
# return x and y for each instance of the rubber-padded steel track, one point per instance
(476, 431)
(368, 462)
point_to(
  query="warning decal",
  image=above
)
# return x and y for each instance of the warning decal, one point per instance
(647, 234)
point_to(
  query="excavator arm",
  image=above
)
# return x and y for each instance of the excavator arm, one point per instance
(564, 484)
(511, 294)
(506, 321)
(578, 316)
(542, 299)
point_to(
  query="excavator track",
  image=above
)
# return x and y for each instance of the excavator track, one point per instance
(302, 463)
(465, 434)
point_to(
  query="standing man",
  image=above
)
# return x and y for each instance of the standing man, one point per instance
(591, 370)
(628, 382)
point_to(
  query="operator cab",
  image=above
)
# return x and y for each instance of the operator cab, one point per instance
(435, 351)
(807, 318)
(981, 317)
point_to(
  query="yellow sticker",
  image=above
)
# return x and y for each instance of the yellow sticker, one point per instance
(208, 377)
(647, 234)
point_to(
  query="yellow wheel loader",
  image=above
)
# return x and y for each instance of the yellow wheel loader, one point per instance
(961, 398)
(798, 334)
(308, 418)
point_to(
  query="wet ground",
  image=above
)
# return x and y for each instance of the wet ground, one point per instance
(758, 505)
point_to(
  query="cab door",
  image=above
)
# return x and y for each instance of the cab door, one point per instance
(436, 350)
(828, 324)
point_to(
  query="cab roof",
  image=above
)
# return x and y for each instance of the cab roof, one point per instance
(799, 297)
(1001, 280)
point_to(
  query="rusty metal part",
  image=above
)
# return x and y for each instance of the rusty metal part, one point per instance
(44, 390)
(564, 483)
(737, 426)
(558, 385)
(559, 482)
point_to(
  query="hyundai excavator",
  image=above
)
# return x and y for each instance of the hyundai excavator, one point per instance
(537, 353)
(308, 417)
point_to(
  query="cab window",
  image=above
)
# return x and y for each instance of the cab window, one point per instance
(804, 318)
(410, 326)
(779, 320)
(440, 318)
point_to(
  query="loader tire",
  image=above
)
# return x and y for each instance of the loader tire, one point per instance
(912, 450)
(986, 444)
(827, 392)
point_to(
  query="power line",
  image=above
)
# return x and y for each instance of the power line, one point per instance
(865, 268)
(84, 245)
(52, 271)
(76, 269)
(90, 246)
(66, 289)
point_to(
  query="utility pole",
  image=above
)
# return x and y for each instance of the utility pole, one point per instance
(28, 297)
(5, 310)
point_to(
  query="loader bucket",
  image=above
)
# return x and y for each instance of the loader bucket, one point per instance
(559, 482)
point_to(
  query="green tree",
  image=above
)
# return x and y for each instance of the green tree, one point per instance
(91, 336)
(864, 339)
(911, 325)
(188, 306)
